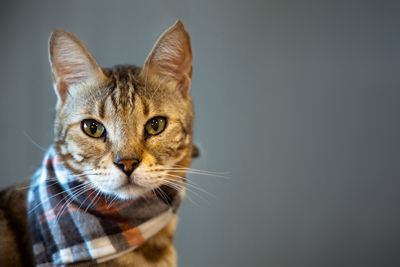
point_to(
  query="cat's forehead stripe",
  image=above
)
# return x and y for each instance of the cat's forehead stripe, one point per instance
(123, 96)
(114, 101)
(146, 108)
(101, 108)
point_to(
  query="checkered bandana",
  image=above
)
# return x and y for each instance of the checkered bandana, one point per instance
(70, 224)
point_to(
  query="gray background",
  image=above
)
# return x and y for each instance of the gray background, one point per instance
(297, 100)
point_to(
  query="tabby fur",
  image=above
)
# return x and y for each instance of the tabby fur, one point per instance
(122, 98)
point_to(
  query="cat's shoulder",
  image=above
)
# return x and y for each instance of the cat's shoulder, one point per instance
(15, 243)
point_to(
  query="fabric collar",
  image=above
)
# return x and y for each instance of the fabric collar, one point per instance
(69, 224)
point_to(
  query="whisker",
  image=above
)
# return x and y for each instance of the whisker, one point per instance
(55, 179)
(199, 173)
(48, 199)
(87, 197)
(197, 170)
(163, 195)
(69, 201)
(193, 171)
(33, 142)
(193, 185)
(181, 187)
(101, 194)
(73, 191)
(92, 202)
(112, 201)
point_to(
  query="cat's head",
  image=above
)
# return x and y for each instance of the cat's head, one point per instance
(125, 130)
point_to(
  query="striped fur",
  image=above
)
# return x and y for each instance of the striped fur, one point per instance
(123, 99)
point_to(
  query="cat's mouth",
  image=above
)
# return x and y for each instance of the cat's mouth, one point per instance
(132, 189)
(126, 187)
(129, 191)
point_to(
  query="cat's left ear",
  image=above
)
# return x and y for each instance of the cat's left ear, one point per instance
(171, 57)
(72, 64)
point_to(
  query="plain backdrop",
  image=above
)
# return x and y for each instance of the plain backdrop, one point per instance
(298, 100)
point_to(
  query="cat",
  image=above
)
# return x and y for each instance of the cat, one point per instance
(125, 133)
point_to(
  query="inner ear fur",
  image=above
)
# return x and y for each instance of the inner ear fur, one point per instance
(71, 63)
(171, 57)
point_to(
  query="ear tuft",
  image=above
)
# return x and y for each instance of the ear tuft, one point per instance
(171, 56)
(71, 63)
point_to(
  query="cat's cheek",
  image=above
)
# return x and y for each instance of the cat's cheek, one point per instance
(79, 143)
(148, 160)
(147, 179)
(105, 163)
(178, 157)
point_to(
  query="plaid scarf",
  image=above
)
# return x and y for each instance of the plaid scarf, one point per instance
(69, 224)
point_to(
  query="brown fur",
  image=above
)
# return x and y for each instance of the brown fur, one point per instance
(15, 245)
(123, 99)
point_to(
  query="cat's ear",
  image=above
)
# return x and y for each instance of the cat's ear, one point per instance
(171, 57)
(72, 64)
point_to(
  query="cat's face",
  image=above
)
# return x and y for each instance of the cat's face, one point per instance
(126, 130)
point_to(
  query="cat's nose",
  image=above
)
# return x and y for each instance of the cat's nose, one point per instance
(127, 165)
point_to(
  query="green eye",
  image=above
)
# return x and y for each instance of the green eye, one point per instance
(155, 125)
(93, 128)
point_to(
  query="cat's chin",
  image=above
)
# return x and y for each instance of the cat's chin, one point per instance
(130, 191)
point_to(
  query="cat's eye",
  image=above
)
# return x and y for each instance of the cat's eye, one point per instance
(93, 128)
(155, 125)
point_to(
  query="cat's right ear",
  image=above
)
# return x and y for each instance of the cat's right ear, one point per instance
(171, 57)
(72, 64)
